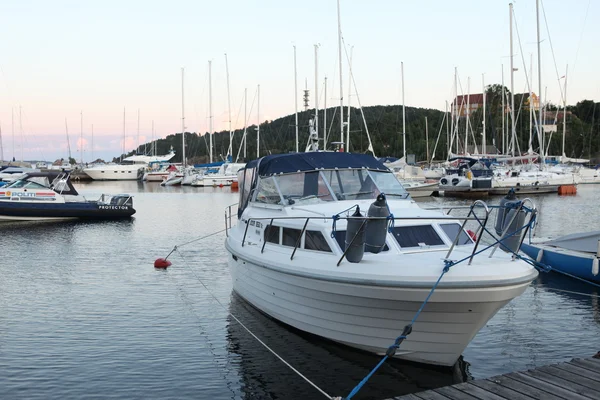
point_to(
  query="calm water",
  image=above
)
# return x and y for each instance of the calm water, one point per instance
(83, 313)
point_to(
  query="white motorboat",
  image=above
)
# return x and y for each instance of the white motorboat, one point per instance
(419, 189)
(470, 177)
(298, 256)
(226, 176)
(132, 168)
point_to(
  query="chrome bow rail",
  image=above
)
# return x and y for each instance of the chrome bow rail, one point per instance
(480, 221)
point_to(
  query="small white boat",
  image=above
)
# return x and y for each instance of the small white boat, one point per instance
(297, 255)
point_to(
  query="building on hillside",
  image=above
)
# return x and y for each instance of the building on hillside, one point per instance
(475, 102)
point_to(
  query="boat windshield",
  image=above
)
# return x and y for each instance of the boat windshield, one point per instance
(28, 183)
(327, 185)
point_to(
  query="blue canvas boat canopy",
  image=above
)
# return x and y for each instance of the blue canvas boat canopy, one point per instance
(311, 161)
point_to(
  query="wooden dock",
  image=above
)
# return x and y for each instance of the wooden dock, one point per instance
(578, 379)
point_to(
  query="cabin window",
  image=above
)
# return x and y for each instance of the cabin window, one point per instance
(314, 240)
(272, 234)
(340, 238)
(290, 237)
(417, 236)
(267, 191)
(451, 230)
(305, 187)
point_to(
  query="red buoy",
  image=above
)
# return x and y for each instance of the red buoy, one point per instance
(162, 263)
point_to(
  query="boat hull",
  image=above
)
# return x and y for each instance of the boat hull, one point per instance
(370, 317)
(23, 211)
(115, 172)
(574, 263)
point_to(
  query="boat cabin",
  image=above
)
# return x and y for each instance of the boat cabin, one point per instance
(56, 181)
(309, 178)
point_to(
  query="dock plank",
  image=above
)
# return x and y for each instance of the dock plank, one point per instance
(407, 397)
(528, 390)
(500, 390)
(477, 392)
(571, 376)
(578, 379)
(565, 384)
(545, 386)
(576, 369)
(430, 395)
(589, 364)
(454, 394)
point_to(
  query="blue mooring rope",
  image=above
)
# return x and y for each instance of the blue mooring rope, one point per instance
(336, 217)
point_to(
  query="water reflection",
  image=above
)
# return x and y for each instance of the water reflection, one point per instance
(333, 367)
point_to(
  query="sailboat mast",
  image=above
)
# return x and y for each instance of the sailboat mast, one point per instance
(230, 149)
(246, 122)
(325, 117)
(317, 89)
(512, 86)
(540, 120)
(403, 114)
(503, 111)
(1, 146)
(210, 116)
(21, 130)
(137, 150)
(341, 81)
(258, 123)
(530, 84)
(456, 114)
(484, 138)
(447, 132)
(295, 104)
(153, 147)
(182, 120)
(467, 125)
(564, 127)
(12, 127)
(427, 138)
(349, 99)
(68, 141)
(123, 152)
(92, 143)
(81, 137)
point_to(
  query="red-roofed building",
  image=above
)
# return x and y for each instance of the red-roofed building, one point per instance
(475, 102)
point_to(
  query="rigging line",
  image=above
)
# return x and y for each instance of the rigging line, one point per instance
(250, 332)
(580, 36)
(225, 369)
(562, 96)
(358, 100)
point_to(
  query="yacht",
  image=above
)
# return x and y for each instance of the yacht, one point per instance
(132, 168)
(303, 251)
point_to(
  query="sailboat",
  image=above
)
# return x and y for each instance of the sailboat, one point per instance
(176, 177)
(530, 178)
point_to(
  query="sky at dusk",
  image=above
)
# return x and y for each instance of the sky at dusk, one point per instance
(63, 59)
